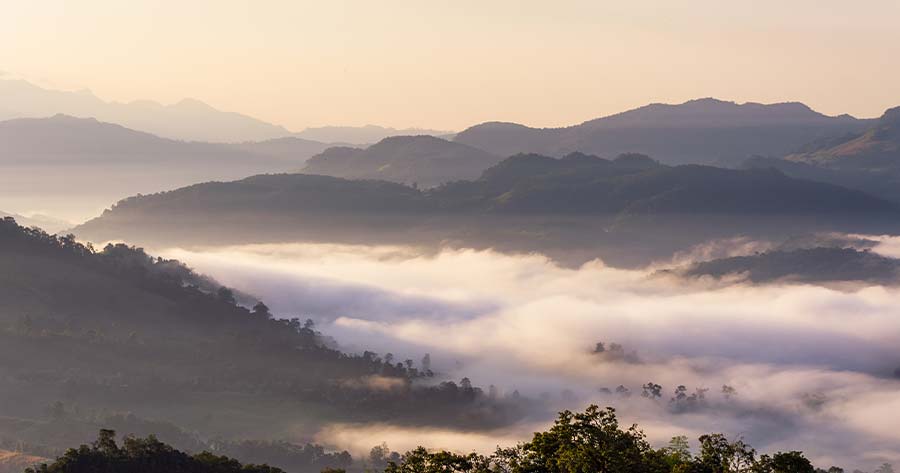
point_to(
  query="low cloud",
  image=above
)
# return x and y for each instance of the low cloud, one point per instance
(812, 367)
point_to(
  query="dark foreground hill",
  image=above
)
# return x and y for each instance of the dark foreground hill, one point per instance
(119, 339)
(422, 160)
(699, 131)
(581, 203)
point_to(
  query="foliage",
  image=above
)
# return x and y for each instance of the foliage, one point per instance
(142, 455)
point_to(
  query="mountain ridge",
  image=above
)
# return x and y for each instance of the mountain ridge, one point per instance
(700, 131)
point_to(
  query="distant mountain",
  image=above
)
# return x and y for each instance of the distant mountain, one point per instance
(73, 167)
(876, 149)
(699, 131)
(808, 265)
(44, 222)
(628, 210)
(186, 120)
(288, 148)
(423, 160)
(868, 161)
(363, 135)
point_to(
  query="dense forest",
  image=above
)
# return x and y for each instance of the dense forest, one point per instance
(592, 441)
(120, 339)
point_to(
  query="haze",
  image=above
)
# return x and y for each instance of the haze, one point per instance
(448, 65)
(502, 236)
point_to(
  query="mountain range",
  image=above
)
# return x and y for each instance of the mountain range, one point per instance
(185, 120)
(698, 131)
(188, 119)
(524, 203)
(73, 167)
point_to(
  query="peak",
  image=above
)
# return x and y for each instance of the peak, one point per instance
(500, 125)
(708, 101)
(636, 161)
(891, 117)
(64, 118)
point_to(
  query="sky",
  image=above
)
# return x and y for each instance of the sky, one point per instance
(451, 64)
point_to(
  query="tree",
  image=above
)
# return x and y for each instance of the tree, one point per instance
(728, 391)
(719, 455)
(226, 295)
(421, 461)
(791, 462)
(679, 449)
(261, 310)
(142, 455)
(651, 390)
(585, 442)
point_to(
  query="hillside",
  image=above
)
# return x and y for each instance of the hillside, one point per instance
(73, 167)
(423, 160)
(185, 120)
(699, 131)
(878, 148)
(581, 203)
(119, 339)
(869, 161)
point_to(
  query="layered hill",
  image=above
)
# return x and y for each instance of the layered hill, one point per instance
(698, 131)
(73, 167)
(524, 203)
(869, 160)
(185, 120)
(878, 148)
(423, 160)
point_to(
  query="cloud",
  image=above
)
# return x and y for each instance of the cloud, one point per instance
(812, 366)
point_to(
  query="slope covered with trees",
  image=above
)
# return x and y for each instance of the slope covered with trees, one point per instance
(118, 338)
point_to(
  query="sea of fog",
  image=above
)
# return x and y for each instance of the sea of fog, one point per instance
(812, 368)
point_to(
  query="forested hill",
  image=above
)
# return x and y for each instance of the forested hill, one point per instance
(523, 187)
(116, 337)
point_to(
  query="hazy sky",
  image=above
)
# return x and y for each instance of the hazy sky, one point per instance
(449, 64)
